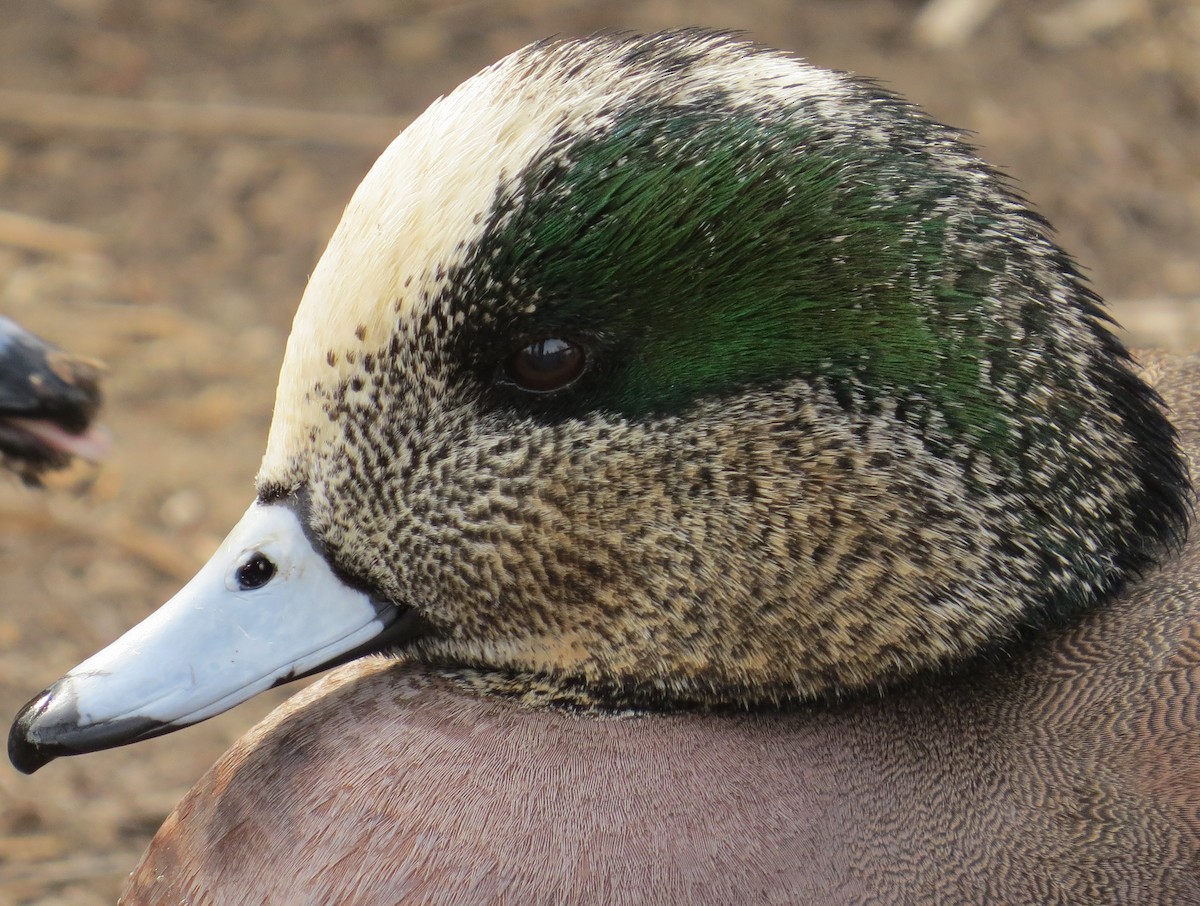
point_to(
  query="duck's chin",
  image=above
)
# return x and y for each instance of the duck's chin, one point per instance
(265, 610)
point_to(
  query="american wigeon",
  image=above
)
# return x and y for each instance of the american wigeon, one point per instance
(752, 502)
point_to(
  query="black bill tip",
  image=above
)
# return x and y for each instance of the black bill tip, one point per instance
(50, 726)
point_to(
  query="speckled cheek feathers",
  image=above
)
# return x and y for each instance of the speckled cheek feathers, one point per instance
(845, 526)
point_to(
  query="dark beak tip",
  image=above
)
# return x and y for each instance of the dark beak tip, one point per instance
(49, 727)
(25, 754)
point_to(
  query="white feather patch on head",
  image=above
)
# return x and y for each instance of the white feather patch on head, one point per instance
(426, 199)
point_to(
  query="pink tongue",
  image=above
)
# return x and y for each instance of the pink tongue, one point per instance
(93, 444)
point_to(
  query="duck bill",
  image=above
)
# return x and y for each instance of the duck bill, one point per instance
(227, 636)
(47, 402)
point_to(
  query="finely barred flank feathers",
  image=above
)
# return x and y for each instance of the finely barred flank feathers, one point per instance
(849, 414)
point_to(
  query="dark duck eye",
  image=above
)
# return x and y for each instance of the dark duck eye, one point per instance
(546, 365)
(255, 572)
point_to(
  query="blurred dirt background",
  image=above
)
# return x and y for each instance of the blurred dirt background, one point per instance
(169, 173)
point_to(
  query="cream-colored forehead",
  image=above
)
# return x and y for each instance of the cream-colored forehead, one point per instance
(425, 202)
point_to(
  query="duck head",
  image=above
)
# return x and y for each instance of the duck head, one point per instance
(664, 371)
(47, 402)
